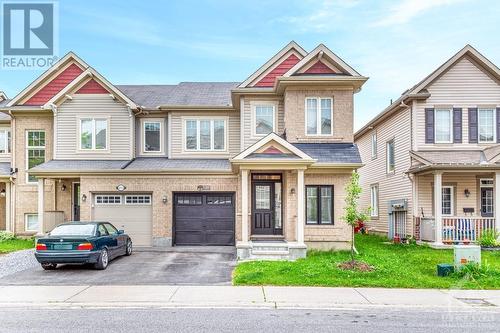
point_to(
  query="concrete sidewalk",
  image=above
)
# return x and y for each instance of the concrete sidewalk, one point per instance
(229, 296)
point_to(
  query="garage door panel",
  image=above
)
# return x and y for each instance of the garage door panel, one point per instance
(189, 237)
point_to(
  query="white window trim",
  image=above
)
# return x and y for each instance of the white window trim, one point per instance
(107, 203)
(211, 150)
(26, 221)
(452, 200)
(374, 205)
(138, 203)
(387, 156)
(494, 125)
(374, 144)
(450, 111)
(318, 116)
(7, 132)
(254, 105)
(33, 147)
(486, 185)
(93, 149)
(161, 121)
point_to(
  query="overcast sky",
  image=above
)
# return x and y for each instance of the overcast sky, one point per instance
(395, 43)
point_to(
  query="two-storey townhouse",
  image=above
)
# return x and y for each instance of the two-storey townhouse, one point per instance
(432, 157)
(260, 164)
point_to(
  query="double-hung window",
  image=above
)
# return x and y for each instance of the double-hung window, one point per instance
(374, 145)
(319, 115)
(391, 160)
(319, 204)
(486, 125)
(93, 134)
(264, 119)
(4, 141)
(35, 151)
(443, 125)
(374, 200)
(205, 134)
(152, 136)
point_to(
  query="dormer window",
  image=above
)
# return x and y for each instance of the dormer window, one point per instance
(486, 125)
(319, 115)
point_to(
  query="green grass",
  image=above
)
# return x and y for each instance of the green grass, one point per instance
(396, 266)
(16, 245)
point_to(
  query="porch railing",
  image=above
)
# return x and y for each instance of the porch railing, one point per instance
(460, 229)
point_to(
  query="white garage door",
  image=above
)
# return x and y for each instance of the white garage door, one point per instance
(130, 212)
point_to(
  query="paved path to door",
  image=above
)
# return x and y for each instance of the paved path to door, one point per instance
(179, 266)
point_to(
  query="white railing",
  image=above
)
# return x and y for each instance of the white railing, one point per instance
(465, 229)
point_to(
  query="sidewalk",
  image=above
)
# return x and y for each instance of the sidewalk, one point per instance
(255, 297)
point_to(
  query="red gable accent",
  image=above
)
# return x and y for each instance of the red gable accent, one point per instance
(92, 87)
(272, 150)
(56, 85)
(319, 68)
(282, 68)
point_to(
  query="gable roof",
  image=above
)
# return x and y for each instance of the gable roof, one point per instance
(3, 97)
(419, 91)
(274, 61)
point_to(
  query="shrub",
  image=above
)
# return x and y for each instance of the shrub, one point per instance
(6, 235)
(489, 238)
(472, 271)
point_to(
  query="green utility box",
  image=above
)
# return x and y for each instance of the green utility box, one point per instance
(444, 269)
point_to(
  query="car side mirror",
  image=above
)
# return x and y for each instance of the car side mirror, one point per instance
(121, 232)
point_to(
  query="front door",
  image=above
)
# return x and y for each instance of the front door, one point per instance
(487, 202)
(76, 201)
(266, 205)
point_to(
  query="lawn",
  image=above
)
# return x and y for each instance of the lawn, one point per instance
(15, 245)
(396, 266)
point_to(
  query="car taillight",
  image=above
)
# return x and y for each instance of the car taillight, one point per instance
(84, 246)
(41, 247)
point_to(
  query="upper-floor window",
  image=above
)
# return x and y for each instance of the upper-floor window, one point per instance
(319, 115)
(443, 125)
(4, 141)
(486, 125)
(374, 145)
(152, 136)
(205, 134)
(93, 134)
(264, 119)
(391, 161)
(35, 151)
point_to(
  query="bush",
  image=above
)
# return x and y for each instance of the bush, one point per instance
(489, 238)
(472, 271)
(6, 236)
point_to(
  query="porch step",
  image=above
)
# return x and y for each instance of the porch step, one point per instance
(269, 250)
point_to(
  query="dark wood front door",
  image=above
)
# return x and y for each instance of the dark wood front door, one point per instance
(76, 201)
(263, 208)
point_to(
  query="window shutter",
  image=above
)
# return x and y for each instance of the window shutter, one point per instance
(457, 125)
(472, 125)
(498, 125)
(429, 125)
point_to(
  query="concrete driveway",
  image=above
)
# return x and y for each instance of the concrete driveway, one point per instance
(179, 266)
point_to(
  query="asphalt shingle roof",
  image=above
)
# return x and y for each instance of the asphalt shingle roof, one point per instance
(78, 165)
(162, 163)
(183, 94)
(331, 152)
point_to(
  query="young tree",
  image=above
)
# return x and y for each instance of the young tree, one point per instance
(352, 214)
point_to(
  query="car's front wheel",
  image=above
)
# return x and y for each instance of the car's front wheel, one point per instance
(49, 267)
(103, 260)
(128, 250)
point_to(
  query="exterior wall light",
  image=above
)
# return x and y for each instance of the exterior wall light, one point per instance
(84, 197)
(467, 193)
(2, 193)
(63, 188)
(164, 199)
(292, 190)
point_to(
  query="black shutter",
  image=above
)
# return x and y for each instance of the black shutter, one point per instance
(472, 125)
(498, 125)
(429, 125)
(457, 125)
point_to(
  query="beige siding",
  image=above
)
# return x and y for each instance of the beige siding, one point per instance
(93, 105)
(177, 135)
(391, 186)
(463, 85)
(247, 128)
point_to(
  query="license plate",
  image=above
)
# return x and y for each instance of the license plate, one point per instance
(63, 246)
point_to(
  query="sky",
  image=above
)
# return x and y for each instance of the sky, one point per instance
(395, 43)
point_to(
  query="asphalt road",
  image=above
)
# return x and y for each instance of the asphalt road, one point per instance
(247, 320)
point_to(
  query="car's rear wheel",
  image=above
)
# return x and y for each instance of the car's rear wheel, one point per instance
(49, 267)
(128, 250)
(103, 260)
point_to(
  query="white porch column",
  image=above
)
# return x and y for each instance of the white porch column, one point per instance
(497, 200)
(300, 206)
(244, 206)
(41, 193)
(8, 222)
(438, 200)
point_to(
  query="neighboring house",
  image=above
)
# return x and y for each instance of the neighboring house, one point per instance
(432, 158)
(198, 163)
(5, 156)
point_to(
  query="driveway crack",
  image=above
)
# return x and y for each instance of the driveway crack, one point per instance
(173, 294)
(360, 294)
(78, 293)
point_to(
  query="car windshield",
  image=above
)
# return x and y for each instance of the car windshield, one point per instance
(75, 229)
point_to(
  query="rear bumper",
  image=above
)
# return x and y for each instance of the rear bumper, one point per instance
(68, 257)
